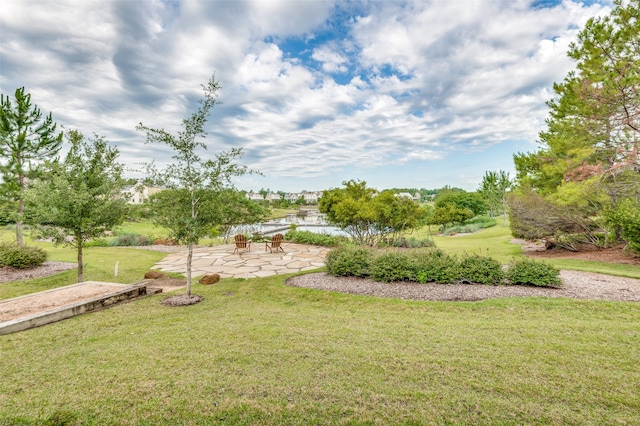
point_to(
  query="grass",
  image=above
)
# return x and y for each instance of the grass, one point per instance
(494, 242)
(142, 227)
(99, 266)
(259, 352)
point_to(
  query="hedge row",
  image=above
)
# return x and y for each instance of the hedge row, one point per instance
(21, 257)
(434, 265)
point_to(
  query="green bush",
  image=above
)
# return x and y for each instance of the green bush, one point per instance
(349, 261)
(392, 266)
(535, 273)
(471, 225)
(412, 242)
(98, 242)
(21, 257)
(129, 240)
(481, 270)
(312, 238)
(435, 265)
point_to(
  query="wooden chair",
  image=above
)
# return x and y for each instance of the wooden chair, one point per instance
(274, 244)
(242, 243)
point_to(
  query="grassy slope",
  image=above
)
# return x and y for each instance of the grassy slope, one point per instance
(258, 352)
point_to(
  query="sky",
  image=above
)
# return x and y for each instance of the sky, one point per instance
(417, 94)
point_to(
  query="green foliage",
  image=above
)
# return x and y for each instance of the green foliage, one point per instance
(411, 242)
(435, 265)
(78, 199)
(391, 266)
(481, 270)
(26, 139)
(494, 188)
(128, 240)
(531, 272)
(627, 218)
(21, 257)
(349, 260)
(307, 237)
(195, 180)
(469, 226)
(369, 217)
(449, 214)
(462, 200)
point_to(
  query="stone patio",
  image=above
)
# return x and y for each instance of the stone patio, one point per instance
(248, 264)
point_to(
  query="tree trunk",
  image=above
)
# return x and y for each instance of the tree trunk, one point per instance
(189, 258)
(80, 262)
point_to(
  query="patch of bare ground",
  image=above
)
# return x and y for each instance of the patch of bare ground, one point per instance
(182, 300)
(610, 255)
(8, 274)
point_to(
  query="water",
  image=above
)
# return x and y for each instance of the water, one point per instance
(315, 223)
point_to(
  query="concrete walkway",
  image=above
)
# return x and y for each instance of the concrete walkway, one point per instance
(247, 264)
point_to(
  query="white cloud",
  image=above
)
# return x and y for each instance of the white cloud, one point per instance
(426, 80)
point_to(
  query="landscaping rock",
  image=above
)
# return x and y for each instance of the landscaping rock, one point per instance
(209, 279)
(154, 275)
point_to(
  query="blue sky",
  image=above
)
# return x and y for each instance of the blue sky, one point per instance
(396, 93)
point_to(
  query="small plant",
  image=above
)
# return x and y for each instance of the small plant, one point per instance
(312, 238)
(434, 265)
(535, 273)
(481, 270)
(21, 257)
(349, 261)
(130, 240)
(392, 266)
(413, 242)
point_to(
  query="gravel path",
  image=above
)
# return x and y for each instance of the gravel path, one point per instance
(577, 285)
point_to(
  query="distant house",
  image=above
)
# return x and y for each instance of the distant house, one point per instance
(138, 194)
(415, 197)
(255, 196)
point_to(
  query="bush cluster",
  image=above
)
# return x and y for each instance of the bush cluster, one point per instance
(472, 225)
(412, 242)
(435, 265)
(530, 272)
(129, 240)
(312, 238)
(21, 257)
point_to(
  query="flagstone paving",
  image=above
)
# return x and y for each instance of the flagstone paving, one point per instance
(248, 264)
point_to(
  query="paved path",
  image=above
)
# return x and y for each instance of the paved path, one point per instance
(248, 264)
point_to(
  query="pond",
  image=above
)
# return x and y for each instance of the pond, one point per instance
(312, 222)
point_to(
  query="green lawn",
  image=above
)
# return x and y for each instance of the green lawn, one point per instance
(258, 352)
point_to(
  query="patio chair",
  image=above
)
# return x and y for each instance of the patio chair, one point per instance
(242, 243)
(274, 244)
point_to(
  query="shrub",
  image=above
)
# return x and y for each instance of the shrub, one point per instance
(412, 242)
(392, 266)
(472, 225)
(128, 240)
(435, 265)
(481, 269)
(98, 242)
(535, 273)
(349, 261)
(307, 237)
(21, 257)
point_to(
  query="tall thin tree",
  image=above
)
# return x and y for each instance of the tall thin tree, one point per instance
(26, 139)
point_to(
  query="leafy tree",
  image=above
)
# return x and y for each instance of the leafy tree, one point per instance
(461, 199)
(449, 214)
(236, 209)
(589, 151)
(26, 138)
(192, 176)
(494, 188)
(367, 216)
(79, 198)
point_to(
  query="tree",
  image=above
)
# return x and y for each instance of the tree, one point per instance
(79, 198)
(25, 140)
(367, 216)
(236, 209)
(588, 159)
(494, 188)
(192, 176)
(461, 199)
